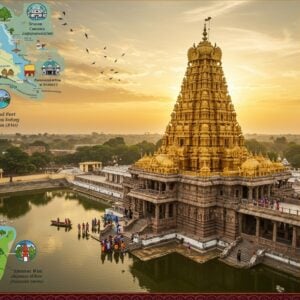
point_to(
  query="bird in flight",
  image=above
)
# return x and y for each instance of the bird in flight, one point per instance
(110, 78)
(64, 24)
(105, 56)
(123, 54)
(102, 72)
(64, 13)
(86, 35)
(116, 72)
(104, 48)
(116, 60)
(111, 69)
(87, 50)
(71, 29)
(60, 18)
(93, 62)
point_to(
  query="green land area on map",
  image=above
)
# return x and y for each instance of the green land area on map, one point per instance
(7, 237)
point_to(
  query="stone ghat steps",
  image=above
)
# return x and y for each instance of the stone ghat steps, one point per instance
(290, 269)
(138, 225)
(247, 250)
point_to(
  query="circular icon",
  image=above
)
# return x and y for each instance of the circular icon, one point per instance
(37, 12)
(4, 98)
(25, 251)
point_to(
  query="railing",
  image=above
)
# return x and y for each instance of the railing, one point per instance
(162, 194)
(270, 207)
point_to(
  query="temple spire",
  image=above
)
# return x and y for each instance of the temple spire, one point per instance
(204, 33)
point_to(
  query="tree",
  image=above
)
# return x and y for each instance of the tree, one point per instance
(11, 31)
(40, 160)
(4, 14)
(281, 140)
(115, 142)
(254, 146)
(293, 155)
(16, 162)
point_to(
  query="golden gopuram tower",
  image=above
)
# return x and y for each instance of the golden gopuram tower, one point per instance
(202, 181)
(203, 135)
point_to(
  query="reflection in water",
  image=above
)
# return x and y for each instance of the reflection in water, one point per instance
(18, 205)
(75, 263)
(177, 273)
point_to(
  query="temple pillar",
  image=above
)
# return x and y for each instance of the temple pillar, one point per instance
(274, 231)
(269, 191)
(250, 193)
(144, 208)
(167, 211)
(294, 239)
(157, 211)
(240, 223)
(257, 227)
(286, 233)
(167, 187)
(256, 193)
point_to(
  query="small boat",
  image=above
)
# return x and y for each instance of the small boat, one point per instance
(60, 224)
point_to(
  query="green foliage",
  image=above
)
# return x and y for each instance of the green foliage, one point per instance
(16, 162)
(4, 144)
(293, 155)
(254, 146)
(4, 14)
(115, 142)
(11, 30)
(40, 160)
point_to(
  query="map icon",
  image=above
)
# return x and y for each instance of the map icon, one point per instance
(37, 11)
(4, 98)
(25, 251)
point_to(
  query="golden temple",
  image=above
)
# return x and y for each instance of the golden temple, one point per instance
(203, 135)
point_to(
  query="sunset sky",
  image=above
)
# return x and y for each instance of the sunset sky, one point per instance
(261, 62)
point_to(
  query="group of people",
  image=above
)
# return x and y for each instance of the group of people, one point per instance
(85, 227)
(116, 243)
(67, 221)
(265, 202)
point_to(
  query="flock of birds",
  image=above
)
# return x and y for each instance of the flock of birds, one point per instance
(111, 72)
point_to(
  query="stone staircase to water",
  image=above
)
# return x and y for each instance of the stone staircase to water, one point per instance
(139, 225)
(247, 250)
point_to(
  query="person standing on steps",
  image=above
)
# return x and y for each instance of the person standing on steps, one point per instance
(239, 255)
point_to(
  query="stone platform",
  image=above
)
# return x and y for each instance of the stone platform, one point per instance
(153, 252)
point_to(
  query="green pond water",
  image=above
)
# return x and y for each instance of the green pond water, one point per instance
(64, 263)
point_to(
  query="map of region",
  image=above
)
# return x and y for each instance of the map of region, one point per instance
(7, 237)
(28, 64)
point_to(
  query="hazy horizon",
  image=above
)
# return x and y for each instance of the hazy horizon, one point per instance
(259, 41)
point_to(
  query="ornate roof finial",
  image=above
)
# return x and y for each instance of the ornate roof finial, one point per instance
(204, 33)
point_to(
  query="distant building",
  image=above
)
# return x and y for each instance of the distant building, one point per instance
(60, 152)
(90, 166)
(116, 174)
(51, 67)
(29, 70)
(35, 149)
